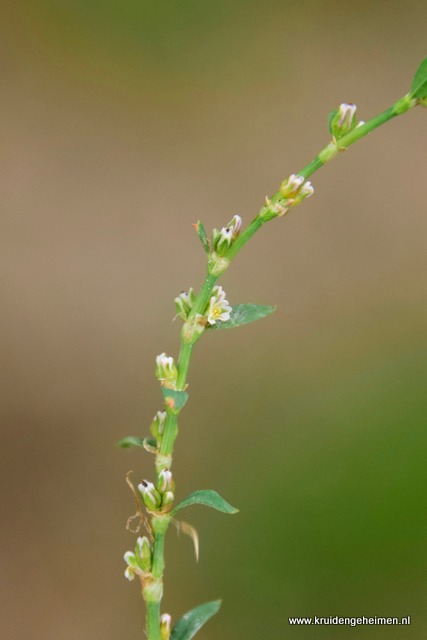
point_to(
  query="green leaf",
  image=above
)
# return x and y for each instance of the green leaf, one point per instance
(209, 498)
(419, 85)
(187, 627)
(174, 399)
(149, 444)
(130, 441)
(243, 314)
(201, 232)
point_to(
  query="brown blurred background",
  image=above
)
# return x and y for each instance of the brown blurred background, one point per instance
(122, 124)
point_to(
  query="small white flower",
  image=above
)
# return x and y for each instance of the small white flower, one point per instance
(164, 481)
(225, 238)
(219, 308)
(149, 495)
(291, 186)
(184, 303)
(129, 573)
(306, 190)
(159, 420)
(166, 370)
(132, 563)
(346, 113)
(235, 224)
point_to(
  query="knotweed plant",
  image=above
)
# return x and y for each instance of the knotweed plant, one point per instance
(201, 312)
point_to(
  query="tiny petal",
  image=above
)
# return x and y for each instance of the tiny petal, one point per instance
(130, 559)
(129, 573)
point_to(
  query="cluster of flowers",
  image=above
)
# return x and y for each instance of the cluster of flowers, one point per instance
(160, 496)
(292, 191)
(217, 309)
(140, 561)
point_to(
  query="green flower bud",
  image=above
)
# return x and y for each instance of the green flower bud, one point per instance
(343, 121)
(223, 239)
(164, 481)
(166, 370)
(157, 427)
(167, 499)
(165, 626)
(184, 303)
(143, 553)
(132, 569)
(149, 495)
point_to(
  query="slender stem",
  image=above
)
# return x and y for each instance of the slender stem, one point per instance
(325, 155)
(266, 213)
(171, 425)
(204, 294)
(153, 620)
(158, 556)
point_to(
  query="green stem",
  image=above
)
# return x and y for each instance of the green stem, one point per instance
(153, 620)
(171, 425)
(325, 155)
(199, 307)
(158, 555)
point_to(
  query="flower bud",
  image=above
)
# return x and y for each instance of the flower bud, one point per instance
(306, 191)
(343, 121)
(166, 370)
(219, 308)
(157, 427)
(290, 187)
(132, 563)
(167, 499)
(184, 303)
(165, 626)
(143, 553)
(223, 239)
(164, 481)
(149, 495)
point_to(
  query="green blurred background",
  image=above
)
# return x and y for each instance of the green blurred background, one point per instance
(122, 124)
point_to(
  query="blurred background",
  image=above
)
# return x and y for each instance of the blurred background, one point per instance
(123, 123)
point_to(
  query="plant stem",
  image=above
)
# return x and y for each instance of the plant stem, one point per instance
(325, 155)
(153, 620)
(266, 213)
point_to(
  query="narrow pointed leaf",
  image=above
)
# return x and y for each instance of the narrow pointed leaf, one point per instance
(243, 314)
(209, 498)
(174, 399)
(187, 627)
(419, 85)
(201, 232)
(130, 441)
